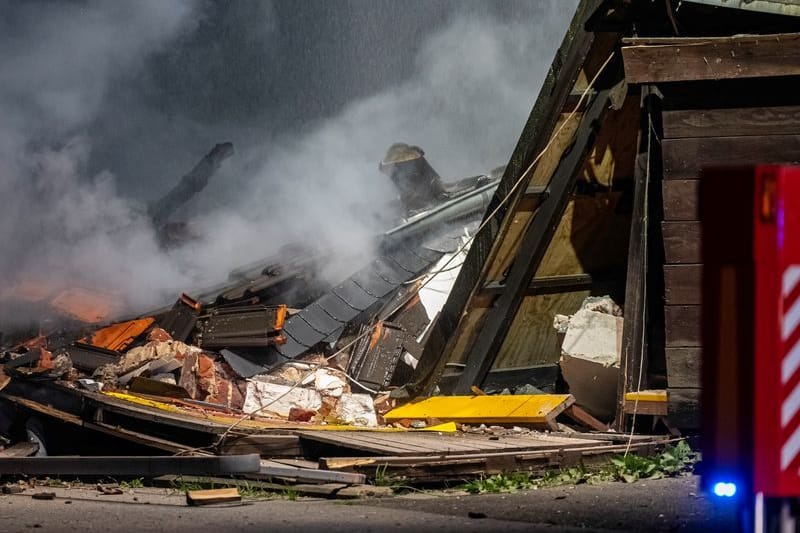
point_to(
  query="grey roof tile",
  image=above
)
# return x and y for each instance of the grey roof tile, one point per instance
(354, 296)
(337, 308)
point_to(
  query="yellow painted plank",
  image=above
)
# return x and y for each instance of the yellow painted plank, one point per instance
(264, 423)
(532, 409)
(647, 396)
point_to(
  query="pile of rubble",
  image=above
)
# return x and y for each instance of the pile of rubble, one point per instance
(276, 341)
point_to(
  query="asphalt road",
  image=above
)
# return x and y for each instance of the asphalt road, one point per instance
(662, 505)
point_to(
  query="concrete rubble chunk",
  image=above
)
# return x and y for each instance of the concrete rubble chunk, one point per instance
(274, 399)
(590, 354)
(357, 409)
(329, 382)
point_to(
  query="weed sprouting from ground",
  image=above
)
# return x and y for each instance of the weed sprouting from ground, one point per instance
(673, 461)
(136, 483)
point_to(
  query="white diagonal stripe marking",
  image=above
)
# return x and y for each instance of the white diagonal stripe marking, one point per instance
(791, 319)
(790, 449)
(791, 276)
(790, 406)
(790, 363)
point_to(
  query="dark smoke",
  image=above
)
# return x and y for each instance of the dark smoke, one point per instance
(105, 105)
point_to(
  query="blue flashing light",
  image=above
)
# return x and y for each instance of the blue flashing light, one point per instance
(724, 489)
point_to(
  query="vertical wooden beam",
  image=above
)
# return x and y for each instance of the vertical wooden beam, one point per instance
(534, 244)
(555, 91)
(633, 362)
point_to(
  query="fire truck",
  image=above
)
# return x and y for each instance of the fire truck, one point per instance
(751, 342)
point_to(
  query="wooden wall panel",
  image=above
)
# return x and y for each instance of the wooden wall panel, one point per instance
(682, 284)
(614, 153)
(683, 367)
(681, 242)
(532, 339)
(667, 59)
(682, 326)
(591, 237)
(683, 158)
(680, 200)
(683, 408)
(731, 122)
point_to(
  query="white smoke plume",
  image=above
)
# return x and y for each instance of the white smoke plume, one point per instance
(105, 104)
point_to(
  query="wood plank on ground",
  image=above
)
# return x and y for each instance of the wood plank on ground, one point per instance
(423, 469)
(435, 445)
(212, 496)
(270, 469)
(657, 60)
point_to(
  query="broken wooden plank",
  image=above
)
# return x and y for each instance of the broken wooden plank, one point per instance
(680, 199)
(463, 466)
(140, 438)
(585, 419)
(503, 409)
(212, 496)
(270, 469)
(130, 465)
(20, 449)
(324, 490)
(264, 445)
(730, 122)
(682, 325)
(657, 60)
(682, 284)
(681, 242)
(646, 402)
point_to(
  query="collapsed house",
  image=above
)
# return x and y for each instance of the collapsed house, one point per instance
(593, 225)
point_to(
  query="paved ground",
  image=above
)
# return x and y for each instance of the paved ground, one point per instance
(663, 505)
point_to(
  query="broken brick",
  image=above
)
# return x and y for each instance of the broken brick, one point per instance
(296, 414)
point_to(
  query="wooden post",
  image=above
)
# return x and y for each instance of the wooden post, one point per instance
(633, 363)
